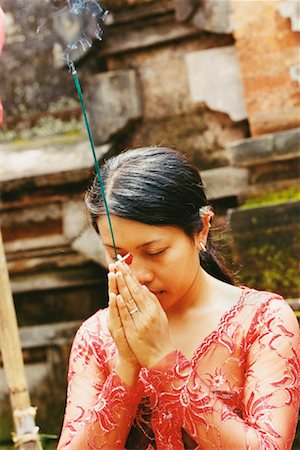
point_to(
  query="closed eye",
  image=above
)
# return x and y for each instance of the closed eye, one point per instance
(156, 253)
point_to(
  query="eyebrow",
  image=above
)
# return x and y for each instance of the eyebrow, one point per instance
(142, 245)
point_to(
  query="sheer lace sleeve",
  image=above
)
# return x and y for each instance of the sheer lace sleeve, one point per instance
(100, 407)
(267, 417)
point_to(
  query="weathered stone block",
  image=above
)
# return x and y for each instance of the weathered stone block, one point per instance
(287, 142)
(113, 102)
(275, 171)
(294, 72)
(201, 134)
(266, 245)
(214, 16)
(250, 150)
(274, 191)
(268, 148)
(163, 75)
(29, 81)
(270, 216)
(79, 232)
(214, 78)
(44, 157)
(74, 218)
(224, 182)
(90, 245)
(266, 57)
(185, 8)
(291, 10)
(146, 33)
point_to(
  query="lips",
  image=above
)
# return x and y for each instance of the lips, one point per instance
(157, 292)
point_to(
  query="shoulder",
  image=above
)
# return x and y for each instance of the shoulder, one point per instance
(92, 338)
(271, 315)
(267, 302)
(95, 325)
(94, 330)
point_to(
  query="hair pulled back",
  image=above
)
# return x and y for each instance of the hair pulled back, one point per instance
(155, 186)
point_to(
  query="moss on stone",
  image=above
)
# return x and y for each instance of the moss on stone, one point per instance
(273, 197)
(270, 262)
(68, 138)
(46, 127)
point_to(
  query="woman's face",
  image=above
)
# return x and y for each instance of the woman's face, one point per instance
(165, 259)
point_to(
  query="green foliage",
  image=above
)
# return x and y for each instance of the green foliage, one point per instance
(272, 198)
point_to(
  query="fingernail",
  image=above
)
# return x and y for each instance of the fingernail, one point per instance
(112, 267)
(120, 266)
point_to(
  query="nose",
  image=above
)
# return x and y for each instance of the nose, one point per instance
(143, 274)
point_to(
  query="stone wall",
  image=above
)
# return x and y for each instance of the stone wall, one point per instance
(151, 81)
(150, 40)
(268, 48)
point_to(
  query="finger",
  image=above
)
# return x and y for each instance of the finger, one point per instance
(121, 265)
(133, 286)
(114, 319)
(115, 325)
(112, 283)
(137, 293)
(112, 267)
(126, 318)
(124, 291)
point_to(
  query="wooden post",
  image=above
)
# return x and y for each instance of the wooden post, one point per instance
(26, 432)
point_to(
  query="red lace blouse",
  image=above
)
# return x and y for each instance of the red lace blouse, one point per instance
(240, 390)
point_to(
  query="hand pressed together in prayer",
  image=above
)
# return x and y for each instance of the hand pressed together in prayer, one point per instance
(142, 337)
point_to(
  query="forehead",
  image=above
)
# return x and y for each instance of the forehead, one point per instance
(129, 233)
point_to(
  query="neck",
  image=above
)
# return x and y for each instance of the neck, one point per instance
(197, 296)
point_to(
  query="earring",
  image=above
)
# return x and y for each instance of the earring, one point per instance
(202, 246)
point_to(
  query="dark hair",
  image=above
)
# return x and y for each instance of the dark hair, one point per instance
(155, 186)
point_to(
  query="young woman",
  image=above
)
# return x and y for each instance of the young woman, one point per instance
(181, 358)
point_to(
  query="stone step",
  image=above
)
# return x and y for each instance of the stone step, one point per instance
(265, 216)
(269, 192)
(48, 334)
(43, 158)
(265, 246)
(268, 148)
(224, 182)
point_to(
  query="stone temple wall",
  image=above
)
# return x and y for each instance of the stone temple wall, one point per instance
(187, 74)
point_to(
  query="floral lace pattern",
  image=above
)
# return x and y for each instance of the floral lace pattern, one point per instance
(240, 390)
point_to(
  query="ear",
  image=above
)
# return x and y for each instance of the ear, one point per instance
(201, 236)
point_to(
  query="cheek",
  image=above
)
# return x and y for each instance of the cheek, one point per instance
(179, 272)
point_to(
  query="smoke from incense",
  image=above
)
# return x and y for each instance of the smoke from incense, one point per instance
(76, 23)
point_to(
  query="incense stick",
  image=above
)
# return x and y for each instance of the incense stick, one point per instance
(79, 92)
